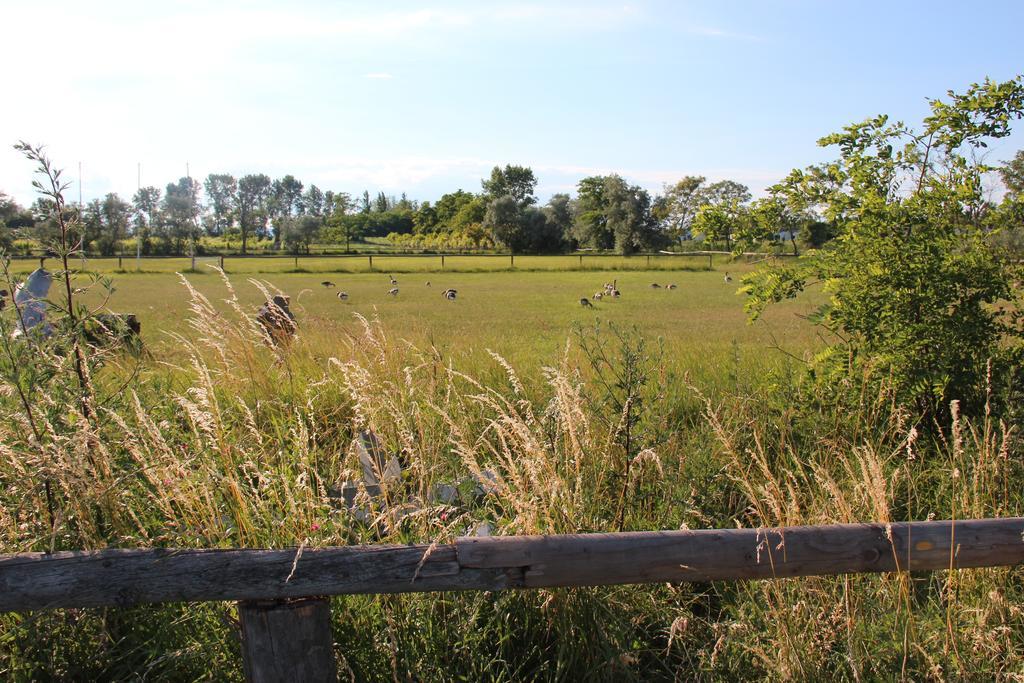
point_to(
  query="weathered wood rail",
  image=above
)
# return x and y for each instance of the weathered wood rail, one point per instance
(274, 587)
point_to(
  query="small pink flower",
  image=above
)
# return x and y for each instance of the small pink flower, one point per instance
(444, 516)
(315, 526)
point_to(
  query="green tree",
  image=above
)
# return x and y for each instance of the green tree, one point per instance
(45, 226)
(723, 214)
(470, 213)
(285, 199)
(10, 213)
(727, 192)
(8, 207)
(222, 193)
(611, 213)
(815, 233)
(405, 204)
(116, 215)
(541, 235)
(425, 219)
(254, 192)
(502, 218)
(522, 229)
(341, 225)
(678, 206)
(517, 182)
(770, 220)
(591, 228)
(560, 212)
(448, 207)
(181, 209)
(1006, 220)
(314, 202)
(146, 211)
(910, 277)
(300, 231)
(718, 222)
(91, 224)
(381, 203)
(1012, 173)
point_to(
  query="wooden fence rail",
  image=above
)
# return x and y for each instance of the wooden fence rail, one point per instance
(268, 580)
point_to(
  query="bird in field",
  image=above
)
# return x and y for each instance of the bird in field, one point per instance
(393, 291)
(728, 278)
(672, 286)
(585, 303)
(428, 283)
(598, 296)
(343, 296)
(655, 285)
(449, 294)
(393, 280)
(328, 283)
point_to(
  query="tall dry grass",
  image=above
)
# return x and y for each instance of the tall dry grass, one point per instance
(245, 443)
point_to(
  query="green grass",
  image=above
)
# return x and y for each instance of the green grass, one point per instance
(523, 316)
(222, 440)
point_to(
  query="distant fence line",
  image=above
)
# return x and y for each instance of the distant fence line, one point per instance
(365, 261)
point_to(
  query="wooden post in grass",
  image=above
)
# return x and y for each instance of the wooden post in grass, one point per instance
(442, 261)
(119, 262)
(371, 263)
(296, 262)
(287, 640)
(511, 260)
(222, 262)
(648, 260)
(711, 266)
(581, 260)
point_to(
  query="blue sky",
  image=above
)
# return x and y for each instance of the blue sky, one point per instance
(426, 97)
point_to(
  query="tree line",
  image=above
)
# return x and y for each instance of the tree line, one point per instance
(607, 213)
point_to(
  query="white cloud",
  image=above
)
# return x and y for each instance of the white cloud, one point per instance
(654, 179)
(710, 32)
(422, 177)
(116, 83)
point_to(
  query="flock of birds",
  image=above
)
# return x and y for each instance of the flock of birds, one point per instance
(610, 289)
(448, 294)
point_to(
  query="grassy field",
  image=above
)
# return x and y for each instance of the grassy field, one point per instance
(526, 317)
(215, 438)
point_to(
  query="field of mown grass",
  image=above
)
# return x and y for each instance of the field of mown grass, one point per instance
(526, 317)
(214, 438)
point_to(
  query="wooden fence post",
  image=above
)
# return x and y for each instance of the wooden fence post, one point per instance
(442, 261)
(512, 260)
(119, 262)
(371, 263)
(222, 262)
(648, 260)
(287, 640)
(296, 263)
(711, 266)
(581, 260)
